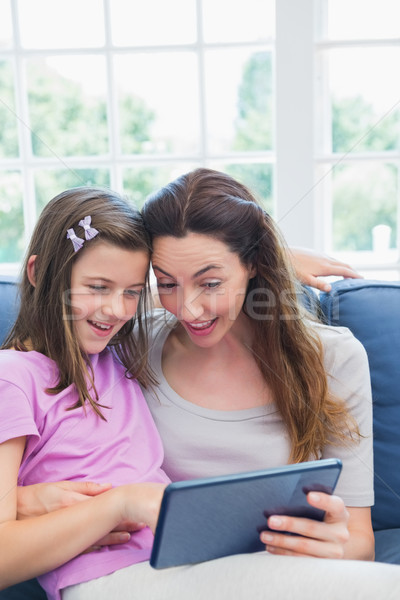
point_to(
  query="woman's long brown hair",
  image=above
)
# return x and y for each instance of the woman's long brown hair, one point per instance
(287, 350)
(44, 321)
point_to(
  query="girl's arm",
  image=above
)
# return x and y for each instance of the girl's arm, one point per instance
(345, 532)
(39, 544)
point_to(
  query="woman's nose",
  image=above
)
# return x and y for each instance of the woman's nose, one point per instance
(190, 306)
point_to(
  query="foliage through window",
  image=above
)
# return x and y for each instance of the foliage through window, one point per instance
(130, 107)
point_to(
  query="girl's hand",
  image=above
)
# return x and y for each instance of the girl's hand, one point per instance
(326, 539)
(139, 505)
(140, 502)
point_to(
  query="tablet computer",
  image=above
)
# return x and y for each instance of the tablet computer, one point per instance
(203, 519)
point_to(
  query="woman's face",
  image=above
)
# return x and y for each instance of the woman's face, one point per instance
(202, 283)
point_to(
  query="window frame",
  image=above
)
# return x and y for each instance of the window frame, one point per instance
(302, 112)
(114, 160)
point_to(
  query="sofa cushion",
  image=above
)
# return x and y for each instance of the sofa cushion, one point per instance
(371, 310)
(387, 546)
(8, 304)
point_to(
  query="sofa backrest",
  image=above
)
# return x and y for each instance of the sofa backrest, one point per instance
(8, 304)
(371, 310)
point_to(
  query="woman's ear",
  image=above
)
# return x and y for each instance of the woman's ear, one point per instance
(30, 269)
(252, 272)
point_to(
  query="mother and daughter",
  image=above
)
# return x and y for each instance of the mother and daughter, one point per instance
(232, 376)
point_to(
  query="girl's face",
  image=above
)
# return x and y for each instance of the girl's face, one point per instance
(202, 283)
(106, 282)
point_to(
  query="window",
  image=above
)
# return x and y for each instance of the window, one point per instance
(298, 99)
(129, 95)
(357, 51)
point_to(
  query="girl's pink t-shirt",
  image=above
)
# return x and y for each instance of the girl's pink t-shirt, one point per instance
(77, 445)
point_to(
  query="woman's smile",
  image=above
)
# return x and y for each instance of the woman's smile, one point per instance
(201, 327)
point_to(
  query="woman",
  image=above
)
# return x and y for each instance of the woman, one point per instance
(241, 372)
(245, 380)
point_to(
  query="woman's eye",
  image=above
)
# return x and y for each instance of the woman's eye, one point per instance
(166, 286)
(212, 284)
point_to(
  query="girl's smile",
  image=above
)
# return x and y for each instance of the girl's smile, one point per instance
(102, 329)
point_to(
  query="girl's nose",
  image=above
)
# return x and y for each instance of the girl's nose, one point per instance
(115, 305)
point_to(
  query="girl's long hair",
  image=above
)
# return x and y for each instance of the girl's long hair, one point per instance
(45, 321)
(288, 352)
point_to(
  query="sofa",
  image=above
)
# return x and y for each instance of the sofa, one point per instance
(371, 310)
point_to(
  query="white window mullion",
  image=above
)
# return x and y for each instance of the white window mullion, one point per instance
(24, 133)
(295, 121)
(201, 79)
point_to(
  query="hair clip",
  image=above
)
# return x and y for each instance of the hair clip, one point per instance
(77, 242)
(90, 232)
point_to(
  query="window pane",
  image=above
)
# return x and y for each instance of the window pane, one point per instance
(60, 24)
(139, 182)
(51, 182)
(154, 22)
(158, 102)
(11, 217)
(365, 197)
(5, 24)
(238, 21)
(258, 177)
(365, 107)
(8, 117)
(363, 19)
(67, 105)
(239, 103)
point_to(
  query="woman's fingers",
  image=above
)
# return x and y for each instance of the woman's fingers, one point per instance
(301, 546)
(113, 538)
(42, 498)
(334, 507)
(120, 535)
(308, 537)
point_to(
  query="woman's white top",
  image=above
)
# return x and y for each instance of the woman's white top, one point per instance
(201, 442)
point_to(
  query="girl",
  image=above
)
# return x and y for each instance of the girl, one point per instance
(70, 406)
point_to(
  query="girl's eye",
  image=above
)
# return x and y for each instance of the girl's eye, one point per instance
(133, 293)
(98, 288)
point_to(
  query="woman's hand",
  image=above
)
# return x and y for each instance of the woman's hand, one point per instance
(324, 539)
(42, 498)
(310, 266)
